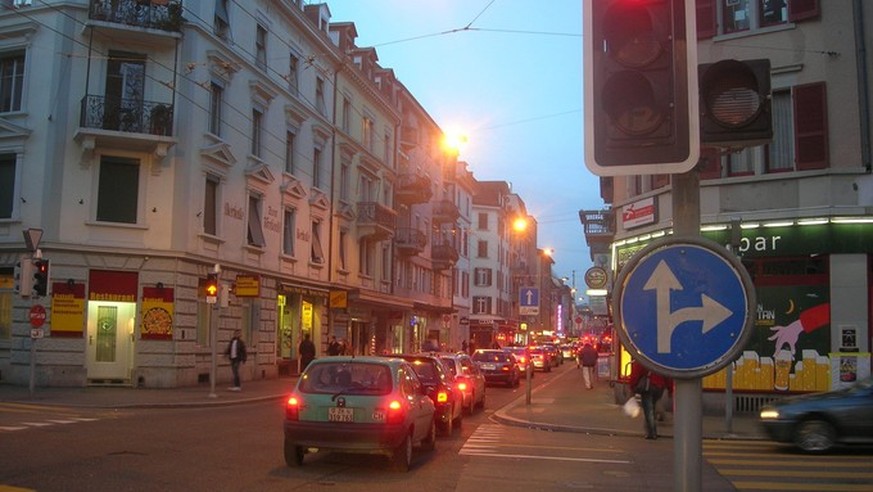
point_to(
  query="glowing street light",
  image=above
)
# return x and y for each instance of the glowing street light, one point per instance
(519, 224)
(454, 141)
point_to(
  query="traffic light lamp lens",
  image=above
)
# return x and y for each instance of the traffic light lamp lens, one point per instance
(730, 94)
(630, 37)
(631, 104)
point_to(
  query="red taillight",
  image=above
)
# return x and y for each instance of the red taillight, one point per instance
(442, 397)
(292, 408)
(505, 368)
(522, 360)
(462, 386)
(396, 413)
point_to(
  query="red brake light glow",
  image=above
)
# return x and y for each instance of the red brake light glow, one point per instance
(292, 408)
(396, 413)
(395, 405)
(442, 397)
(462, 386)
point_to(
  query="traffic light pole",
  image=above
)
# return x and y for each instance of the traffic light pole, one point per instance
(688, 415)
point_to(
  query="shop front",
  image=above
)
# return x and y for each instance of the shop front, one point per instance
(300, 311)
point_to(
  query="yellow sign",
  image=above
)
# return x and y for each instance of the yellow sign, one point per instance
(339, 299)
(248, 286)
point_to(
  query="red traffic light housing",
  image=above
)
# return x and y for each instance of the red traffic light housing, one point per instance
(640, 87)
(735, 103)
(40, 277)
(210, 288)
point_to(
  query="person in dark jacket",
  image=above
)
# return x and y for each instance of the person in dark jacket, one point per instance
(307, 352)
(334, 347)
(650, 386)
(236, 352)
(588, 361)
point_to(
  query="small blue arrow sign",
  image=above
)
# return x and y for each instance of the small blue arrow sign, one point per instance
(685, 306)
(528, 297)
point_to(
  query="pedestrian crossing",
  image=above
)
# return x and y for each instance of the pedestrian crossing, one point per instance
(764, 465)
(16, 417)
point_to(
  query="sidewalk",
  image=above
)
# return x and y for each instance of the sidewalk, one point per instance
(563, 404)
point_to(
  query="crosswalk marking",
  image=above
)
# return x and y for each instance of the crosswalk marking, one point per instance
(47, 417)
(763, 465)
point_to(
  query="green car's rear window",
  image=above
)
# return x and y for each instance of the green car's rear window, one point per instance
(347, 378)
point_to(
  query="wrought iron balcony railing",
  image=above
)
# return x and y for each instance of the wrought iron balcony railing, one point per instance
(126, 115)
(165, 15)
(412, 188)
(445, 211)
(409, 241)
(376, 219)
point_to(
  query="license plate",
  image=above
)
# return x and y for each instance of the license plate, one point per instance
(337, 414)
(489, 367)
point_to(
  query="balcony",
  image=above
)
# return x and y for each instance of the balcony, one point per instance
(376, 220)
(125, 123)
(445, 211)
(412, 188)
(444, 256)
(409, 241)
(599, 228)
(122, 15)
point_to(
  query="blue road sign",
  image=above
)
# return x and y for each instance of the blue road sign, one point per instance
(528, 300)
(685, 305)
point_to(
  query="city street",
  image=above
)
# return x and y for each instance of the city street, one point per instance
(239, 447)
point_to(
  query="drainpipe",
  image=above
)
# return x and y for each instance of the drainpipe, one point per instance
(863, 82)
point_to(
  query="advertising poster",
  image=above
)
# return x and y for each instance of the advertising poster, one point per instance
(789, 350)
(68, 309)
(157, 317)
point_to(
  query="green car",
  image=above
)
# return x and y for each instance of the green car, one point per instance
(369, 405)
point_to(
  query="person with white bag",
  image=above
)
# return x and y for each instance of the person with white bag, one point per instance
(650, 386)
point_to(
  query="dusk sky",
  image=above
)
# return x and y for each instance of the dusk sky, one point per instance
(507, 73)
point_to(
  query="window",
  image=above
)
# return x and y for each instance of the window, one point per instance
(780, 153)
(735, 14)
(343, 245)
(347, 115)
(386, 150)
(317, 254)
(716, 17)
(481, 305)
(257, 129)
(386, 262)
(741, 163)
(7, 185)
(774, 12)
(293, 64)
(216, 96)
(366, 189)
(316, 167)
(482, 249)
(210, 206)
(289, 225)
(366, 251)
(483, 222)
(6, 298)
(289, 151)
(203, 316)
(255, 236)
(465, 284)
(118, 190)
(367, 133)
(319, 96)
(221, 20)
(483, 277)
(344, 181)
(11, 81)
(261, 48)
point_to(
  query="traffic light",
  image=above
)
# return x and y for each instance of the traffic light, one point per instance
(40, 277)
(640, 76)
(210, 288)
(735, 103)
(24, 277)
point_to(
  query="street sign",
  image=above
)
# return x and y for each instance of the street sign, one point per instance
(37, 315)
(685, 306)
(529, 301)
(37, 333)
(596, 277)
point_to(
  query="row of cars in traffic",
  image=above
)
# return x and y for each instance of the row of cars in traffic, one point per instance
(389, 404)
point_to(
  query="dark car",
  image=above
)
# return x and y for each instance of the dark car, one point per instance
(818, 421)
(470, 379)
(442, 388)
(498, 366)
(522, 356)
(371, 405)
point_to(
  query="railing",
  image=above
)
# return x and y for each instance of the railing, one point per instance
(444, 255)
(445, 211)
(598, 222)
(165, 15)
(413, 188)
(126, 115)
(376, 214)
(409, 240)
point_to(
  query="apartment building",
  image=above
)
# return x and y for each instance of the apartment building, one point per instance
(796, 209)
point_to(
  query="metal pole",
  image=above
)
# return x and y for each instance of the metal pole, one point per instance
(528, 376)
(213, 340)
(688, 424)
(32, 365)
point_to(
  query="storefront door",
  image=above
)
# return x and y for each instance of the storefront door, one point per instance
(110, 340)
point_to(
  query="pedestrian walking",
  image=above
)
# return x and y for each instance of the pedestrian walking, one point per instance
(333, 347)
(236, 352)
(650, 386)
(588, 360)
(307, 352)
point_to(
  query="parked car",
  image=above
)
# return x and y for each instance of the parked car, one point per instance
(370, 405)
(818, 421)
(555, 353)
(498, 366)
(442, 388)
(522, 356)
(470, 380)
(540, 358)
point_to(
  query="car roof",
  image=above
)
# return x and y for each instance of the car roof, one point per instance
(363, 359)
